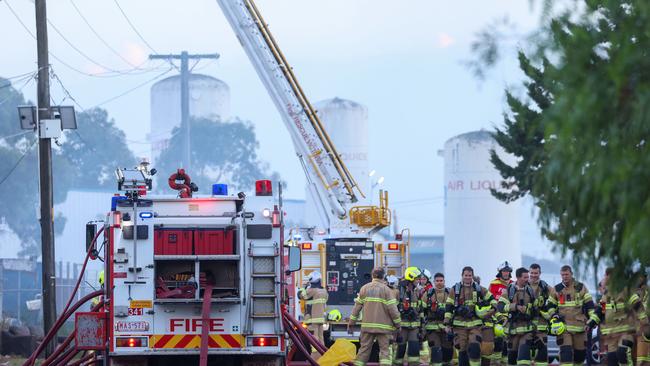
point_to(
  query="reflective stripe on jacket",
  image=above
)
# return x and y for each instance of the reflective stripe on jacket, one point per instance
(379, 307)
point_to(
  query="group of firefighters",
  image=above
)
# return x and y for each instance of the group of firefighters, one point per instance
(507, 323)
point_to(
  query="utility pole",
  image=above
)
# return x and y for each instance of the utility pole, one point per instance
(45, 175)
(185, 98)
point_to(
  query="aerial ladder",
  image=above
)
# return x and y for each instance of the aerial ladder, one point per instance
(343, 250)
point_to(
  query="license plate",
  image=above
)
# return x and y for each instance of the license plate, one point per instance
(132, 326)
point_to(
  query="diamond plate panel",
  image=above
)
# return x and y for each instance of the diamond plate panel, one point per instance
(264, 265)
(263, 286)
(263, 306)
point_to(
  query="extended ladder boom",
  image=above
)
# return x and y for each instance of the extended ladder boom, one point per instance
(325, 170)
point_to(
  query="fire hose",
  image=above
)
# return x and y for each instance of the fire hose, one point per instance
(66, 310)
(184, 189)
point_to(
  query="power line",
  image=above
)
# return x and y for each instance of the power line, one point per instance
(21, 76)
(84, 55)
(15, 135)
(19, 89)
(9, 84)
(134, 88)
(108, 74)
(133, 27)
(13, 168)
(101, 39)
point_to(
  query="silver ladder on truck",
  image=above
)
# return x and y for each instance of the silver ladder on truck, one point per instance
(264, 260)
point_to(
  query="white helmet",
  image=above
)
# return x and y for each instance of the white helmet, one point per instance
(314, 277)
(505, 266)
(426, 273)
(392, 280)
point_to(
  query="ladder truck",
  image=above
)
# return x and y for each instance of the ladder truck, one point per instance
(342, 249)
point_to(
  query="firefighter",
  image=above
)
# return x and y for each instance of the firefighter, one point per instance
(380, 318)
(574, 316)
(408, 305)
(434, 310)
(643, 325)
(499, 353)
(518, 303)
(315, 297)
(467, 305)
(423, 287)
(617, 312)
(392, 281)
(541, 315)
(97, 299)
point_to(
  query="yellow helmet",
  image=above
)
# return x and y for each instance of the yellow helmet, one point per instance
(481, 311)
(411, 273)
(499, 330)
(334, 315)
(101, 278)
(557, 326)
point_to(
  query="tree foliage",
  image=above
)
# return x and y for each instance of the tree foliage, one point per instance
(78, 162)
(224, 152)
(96, 149)
(583, 152)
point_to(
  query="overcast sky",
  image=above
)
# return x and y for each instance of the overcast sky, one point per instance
(402, 59)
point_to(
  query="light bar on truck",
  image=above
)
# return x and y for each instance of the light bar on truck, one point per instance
(393, 246)
(263, 188)
(131, 342)
(262, 341)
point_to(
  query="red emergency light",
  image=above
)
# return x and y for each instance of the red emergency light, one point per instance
(263, 188)
(262, 341)
(131, 342)
(306, 246)
(275, 217)
(393, 246)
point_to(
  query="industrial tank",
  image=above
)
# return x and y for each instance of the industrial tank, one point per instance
(209, 98)
(346, 122)
(480, 231)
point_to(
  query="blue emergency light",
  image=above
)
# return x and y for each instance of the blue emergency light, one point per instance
(146, 215)
(219, 189)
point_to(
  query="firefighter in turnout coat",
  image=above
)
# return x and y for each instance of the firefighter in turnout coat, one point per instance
(467, 305)
(379, 321)
(541, 315)
(518, 302)
(618, 315)
(434, 315)
(315, 297)
(410, 312)
(574, 316)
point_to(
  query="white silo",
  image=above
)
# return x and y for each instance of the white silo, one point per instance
(209, 98)
(346, 122)
(480, 231)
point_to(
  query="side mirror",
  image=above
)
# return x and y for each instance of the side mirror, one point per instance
(91, 231)
(295, 259)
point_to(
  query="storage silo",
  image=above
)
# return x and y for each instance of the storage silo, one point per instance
(480, 231)
(346, 122)
(209, 98)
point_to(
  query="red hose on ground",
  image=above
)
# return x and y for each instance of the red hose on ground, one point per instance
(62, 319)
(48, 337)
(293, 334)
(312, 339)
(56, 355)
